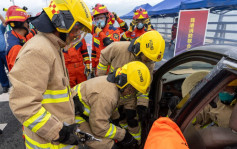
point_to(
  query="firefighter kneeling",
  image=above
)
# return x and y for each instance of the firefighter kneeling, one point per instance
(97, 104)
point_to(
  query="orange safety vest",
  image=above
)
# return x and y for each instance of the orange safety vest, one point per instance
(165, 134)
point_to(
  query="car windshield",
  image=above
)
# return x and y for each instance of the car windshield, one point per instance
(184, 70)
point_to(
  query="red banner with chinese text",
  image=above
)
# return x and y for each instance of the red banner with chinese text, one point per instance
(191, 30)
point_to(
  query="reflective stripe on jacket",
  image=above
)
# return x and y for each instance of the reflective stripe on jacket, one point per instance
(41, 98)
(100, 100)
(116, 55)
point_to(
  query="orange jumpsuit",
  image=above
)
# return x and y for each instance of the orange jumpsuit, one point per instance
(109, 32)
(14, 44)
(75, 58)
(128, 36)
(165, 134)
(122, 25)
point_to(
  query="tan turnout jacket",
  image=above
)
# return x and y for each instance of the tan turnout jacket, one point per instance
(40, 97)
(100, 99)
(116, 55)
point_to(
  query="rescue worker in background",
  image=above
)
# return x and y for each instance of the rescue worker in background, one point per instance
(75, 58)
(219, 114)
(41, 98)
(17, 18)
(148, 48)
(97, 104)
(103, 33)
(123, 27)
(139, 25)
(165, 134)
(173, 31)
(3, 63)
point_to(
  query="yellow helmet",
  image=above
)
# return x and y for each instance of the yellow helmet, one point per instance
(64, 14)
(151, 44)
(135, 73)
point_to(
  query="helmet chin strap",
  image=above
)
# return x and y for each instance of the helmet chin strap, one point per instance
(63, 36)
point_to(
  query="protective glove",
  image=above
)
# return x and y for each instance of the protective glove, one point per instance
(116, 122)
(97, 30)
(79, 107)
(115, 15)
(147, 24)
(93, 73)
(87, 70)
(132, 25)
(131, 114)
(142, 112)
(67, 135)
(129, 142)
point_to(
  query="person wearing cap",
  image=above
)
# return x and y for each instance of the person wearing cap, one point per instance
(103, 33)
(219, 114)
(148, 48)
(139, 25)
(123, 27)
(98, 100)
(41, 97)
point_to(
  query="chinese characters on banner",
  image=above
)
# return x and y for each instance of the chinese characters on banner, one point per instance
(191, 29)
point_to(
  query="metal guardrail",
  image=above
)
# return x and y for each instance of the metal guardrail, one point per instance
(217, 32)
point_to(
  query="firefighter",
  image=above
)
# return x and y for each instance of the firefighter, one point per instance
(78, 63)
(147, 48)
(217, 114)
(103, 33)
(123, 27)
(17, 18)
(139, 25)
(41, 98)
(97, 104)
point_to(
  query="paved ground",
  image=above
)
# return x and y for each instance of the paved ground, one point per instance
(12, 129)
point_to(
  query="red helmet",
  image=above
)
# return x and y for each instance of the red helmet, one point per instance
(140, 13)
(15, 13)
(100, 9)
(111, 19)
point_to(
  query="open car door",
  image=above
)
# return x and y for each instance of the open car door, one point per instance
(219, 60)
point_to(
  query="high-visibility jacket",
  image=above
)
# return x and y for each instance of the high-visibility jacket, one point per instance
(136, 33)
(116, 55)
(109, 32)
(121, 25)
(75, 58)
(165, 134)
(14, 42)
(31, 34)
(41, 98)
(100, 100)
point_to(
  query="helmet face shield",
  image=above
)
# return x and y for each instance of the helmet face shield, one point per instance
(121, 81)
(77, 33)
